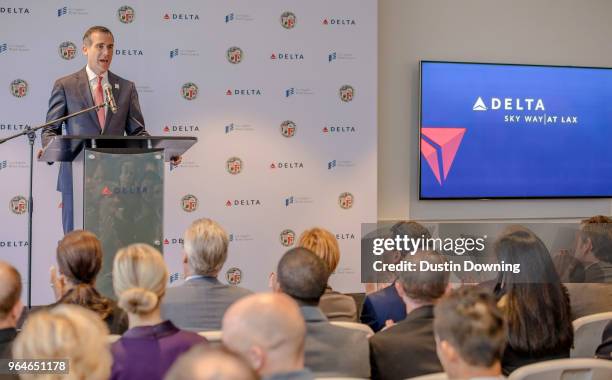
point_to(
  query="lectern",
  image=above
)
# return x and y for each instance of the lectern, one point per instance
(118, 188)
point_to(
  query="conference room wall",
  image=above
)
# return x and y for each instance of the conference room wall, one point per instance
(556, 32)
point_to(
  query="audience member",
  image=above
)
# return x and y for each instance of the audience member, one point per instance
(79, 260)
(408, 348)
(386, 304)
(534, 302)
(268, 331)
(68, 332)
(604, 351)
(330, 350)
(200, 302)
(470, 335)
(151, 345)
(336, 306)
(10, 307)
(206, 363)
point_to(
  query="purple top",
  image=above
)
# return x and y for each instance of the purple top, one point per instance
(147, 352)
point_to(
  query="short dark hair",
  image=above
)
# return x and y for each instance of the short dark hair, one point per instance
(598, 229)
(93, 29)
(302, 275)
(470, 321)
(10, 288)
(424, 285)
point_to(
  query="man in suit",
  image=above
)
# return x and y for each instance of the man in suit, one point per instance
(386, 304)
(470, 334)
(408, 348)
(10, 310)
(330, 350)
(268, 331)
(199, 303)
(84, 89)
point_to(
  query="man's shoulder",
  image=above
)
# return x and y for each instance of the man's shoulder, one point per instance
(112, 77)
(72, 77)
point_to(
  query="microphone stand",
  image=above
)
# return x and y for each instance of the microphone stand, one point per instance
(31, 133)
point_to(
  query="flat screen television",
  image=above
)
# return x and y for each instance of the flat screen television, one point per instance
(514, 131)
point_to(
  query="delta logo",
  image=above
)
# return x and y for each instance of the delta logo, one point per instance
(288, 128)
(129, 52)
(287, 238)
(346, 200)
(233, 276)
(287, 165)
(439, 148)
(287, 56)
(178, 129)
(66, 11)
(509, 104)
(243, 92)
(126, 14)
(67, 50)
(13, 243)
(124, 190)
(345, 236)
(189, 91)
(242, 202)
(334, 21)
(173, 241)
(19, 88)
(14, 11)
(338, 129)
(169, 16)
(18, 205)
(234, 55)
(288, 20)
(10, 127)
(189, 203)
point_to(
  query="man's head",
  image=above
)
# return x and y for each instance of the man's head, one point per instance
(98, 45)
(206, 363)
(268, 330)
(302, 275)
(10, 293)
(595, 237)
(205, 244)
(422, 287)
(470, 334)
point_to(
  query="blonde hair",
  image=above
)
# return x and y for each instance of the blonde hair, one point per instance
(323, 244)
(205, 243)
(139, 278)
(66, 332)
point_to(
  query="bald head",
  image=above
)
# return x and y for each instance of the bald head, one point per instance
(10, 292)
(207, 363)
(268, 330)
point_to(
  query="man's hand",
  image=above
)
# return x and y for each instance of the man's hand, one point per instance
(39, 154)
(57, 283)
(176, 160)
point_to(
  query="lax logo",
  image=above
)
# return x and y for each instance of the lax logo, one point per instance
(346, 93)
(440, 143)
(174, 53)
(287, 128)
(288, 20)
(67, 50)
(346, 200)
(174, 277)
(234, 55)
(331, 165)
(229, 17)
(3, 164)
(189, 203)
(126, 14)
(287, 238)
(19, 88)
(3, 48)
(62, 11)
(233, 165)
(233, 276)
(18, 205)
(189, 91)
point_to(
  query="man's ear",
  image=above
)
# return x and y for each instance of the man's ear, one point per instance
(400, 289)
(257, 357)
(273, 283)
(17, 310)
(448, 351)
(185, 258)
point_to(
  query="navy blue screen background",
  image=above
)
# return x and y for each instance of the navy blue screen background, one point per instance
(498, 159)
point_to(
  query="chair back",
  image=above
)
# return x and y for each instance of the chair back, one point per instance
(432, 376)
(587, 334)
(355, 326)
(211, 336)
(565, 369)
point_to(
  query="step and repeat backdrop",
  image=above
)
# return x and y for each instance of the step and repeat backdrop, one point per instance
(280, 94)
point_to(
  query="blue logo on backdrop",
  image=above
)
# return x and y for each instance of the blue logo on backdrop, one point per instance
(3, 48)
(62, 11)
(173, 53)
(229, 17)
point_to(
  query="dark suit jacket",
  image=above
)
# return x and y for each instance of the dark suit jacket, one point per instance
(7, 336)
(333, 350)
(199, 303)
(604, 351)
(71, 94)
(337, 306)
(407, 349)
(382, 305)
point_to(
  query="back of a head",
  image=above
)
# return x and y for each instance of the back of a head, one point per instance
(470, 322)
(10, 289)
(211, 363)
(598, 229)
(270, 321)
(139, 278)
(424, 286)
(302, 275)
(205, 243)
(66, 332)
(323, 244)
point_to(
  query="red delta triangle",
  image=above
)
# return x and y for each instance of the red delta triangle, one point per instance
(429, 152)
(449, 140)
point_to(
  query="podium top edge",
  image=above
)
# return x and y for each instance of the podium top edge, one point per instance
(110, 137)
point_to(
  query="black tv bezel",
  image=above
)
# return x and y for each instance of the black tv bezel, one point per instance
(484, 198)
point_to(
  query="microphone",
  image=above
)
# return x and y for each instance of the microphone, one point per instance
(110, 99)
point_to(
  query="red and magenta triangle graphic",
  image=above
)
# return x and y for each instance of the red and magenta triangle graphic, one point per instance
(447, 141)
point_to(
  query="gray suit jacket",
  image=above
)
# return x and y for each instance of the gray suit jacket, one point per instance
(333, 350)
(71, 94)
(588, 298)
(337, 306)
(199, 303)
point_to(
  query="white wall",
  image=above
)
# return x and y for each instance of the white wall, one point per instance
(558, 32)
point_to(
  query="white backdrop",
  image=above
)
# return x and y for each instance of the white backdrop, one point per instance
(284, 74)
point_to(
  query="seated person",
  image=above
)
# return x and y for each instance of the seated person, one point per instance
(604, 351)
(11, 309)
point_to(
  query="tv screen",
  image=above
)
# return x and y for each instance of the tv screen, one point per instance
(514, 131)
